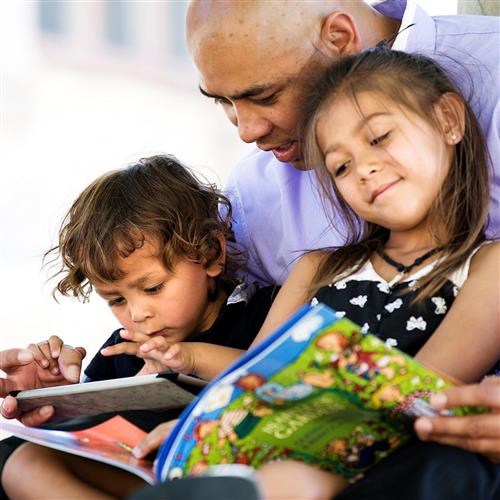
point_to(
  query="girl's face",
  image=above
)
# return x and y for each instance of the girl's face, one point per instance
(154, 301)
(387, 162)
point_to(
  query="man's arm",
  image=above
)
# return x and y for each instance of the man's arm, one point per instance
(477, 433)
(26, 369)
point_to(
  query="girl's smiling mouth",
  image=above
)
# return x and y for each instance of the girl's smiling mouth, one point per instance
(382, 189)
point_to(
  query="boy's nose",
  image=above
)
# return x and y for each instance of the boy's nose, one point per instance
(138, 314)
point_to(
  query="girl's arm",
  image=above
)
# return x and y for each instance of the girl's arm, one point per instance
(208, 360)
(467, 343)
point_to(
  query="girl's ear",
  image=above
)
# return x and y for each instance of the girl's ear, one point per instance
(339, 35)
(450, 111)
(216, 268)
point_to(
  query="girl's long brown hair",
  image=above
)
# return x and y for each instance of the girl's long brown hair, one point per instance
(158, 199)
(458, 216)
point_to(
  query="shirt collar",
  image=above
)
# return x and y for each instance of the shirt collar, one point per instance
(420, 38)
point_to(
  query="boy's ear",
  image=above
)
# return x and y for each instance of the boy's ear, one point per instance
(339, 35)
(450, 111)
(216, 268)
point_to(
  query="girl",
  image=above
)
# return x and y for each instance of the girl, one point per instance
(399, 151)
(150, 240)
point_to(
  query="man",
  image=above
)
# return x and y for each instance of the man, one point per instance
(255, 58)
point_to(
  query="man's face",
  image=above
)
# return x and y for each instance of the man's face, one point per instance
(259, 90)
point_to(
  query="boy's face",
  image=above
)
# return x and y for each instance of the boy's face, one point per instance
(154, 301)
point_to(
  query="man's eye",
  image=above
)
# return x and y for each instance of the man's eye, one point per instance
(266, 101)
(222, 100)
(154, 289)
(378, 140)
(115, 302)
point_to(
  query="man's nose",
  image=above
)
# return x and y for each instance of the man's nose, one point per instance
(252, 126)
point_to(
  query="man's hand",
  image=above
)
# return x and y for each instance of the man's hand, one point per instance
(154, 439)
(157, 352)
(477, 433)
(45, 364)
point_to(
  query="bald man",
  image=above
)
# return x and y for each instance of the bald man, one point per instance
(255, 59)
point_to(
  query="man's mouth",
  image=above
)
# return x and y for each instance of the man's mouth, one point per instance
(288, 153)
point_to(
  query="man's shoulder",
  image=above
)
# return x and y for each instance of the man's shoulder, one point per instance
(253, 166)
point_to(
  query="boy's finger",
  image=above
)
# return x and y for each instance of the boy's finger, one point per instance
(130, 348)
(70, 362)
(133, 336)
(154, 439)
(8, 408)
(156, 343)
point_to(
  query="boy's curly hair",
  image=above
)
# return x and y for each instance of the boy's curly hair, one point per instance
(158, 199)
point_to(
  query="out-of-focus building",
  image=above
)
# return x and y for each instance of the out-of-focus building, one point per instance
(87, 87)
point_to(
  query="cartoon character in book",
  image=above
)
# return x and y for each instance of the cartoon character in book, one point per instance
(332, 341)
(250, 382)
(277, 394)
(319, 378)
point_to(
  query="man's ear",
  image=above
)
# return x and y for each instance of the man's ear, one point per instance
(216, 268)
(450, 110)
(340, 35)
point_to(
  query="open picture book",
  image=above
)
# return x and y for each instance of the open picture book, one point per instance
(317, 390)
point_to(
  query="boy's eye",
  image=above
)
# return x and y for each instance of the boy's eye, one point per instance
(378, 140)
(154, 289)
(115, 302)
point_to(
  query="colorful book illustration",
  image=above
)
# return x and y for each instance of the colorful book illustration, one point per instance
(317, 390)
(110, 442)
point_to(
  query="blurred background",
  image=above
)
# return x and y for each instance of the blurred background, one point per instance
(88, 86)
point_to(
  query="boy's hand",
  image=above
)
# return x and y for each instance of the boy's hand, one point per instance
(157, 352)
(46, 364)
(476, 433)
(154, 439)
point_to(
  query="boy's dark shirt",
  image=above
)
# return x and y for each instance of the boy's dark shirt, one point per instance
(236, 326)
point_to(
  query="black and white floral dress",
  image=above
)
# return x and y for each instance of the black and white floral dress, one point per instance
(391, 313)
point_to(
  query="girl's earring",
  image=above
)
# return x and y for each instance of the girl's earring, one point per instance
(453, 138)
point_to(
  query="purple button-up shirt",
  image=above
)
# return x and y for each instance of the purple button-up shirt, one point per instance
(277, 210)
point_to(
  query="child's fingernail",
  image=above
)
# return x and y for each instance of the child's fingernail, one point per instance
(124, 333)
(45, 363)
(438, 400)
(55, 370)
(423, 426)
(25, 356)
(137, 452)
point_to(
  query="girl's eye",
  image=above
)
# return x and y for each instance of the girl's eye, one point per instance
(154, 289)
(341, 169)
(115, 302)
(378, 140)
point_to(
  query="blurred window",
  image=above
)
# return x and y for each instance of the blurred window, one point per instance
(176, 33)
(53, 16)
(118, 22)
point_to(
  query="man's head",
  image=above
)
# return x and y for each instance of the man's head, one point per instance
(256, 58)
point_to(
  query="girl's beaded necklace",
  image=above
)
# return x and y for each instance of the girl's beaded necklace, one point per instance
(401, 268)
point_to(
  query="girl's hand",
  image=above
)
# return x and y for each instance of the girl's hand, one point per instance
(154, 439)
